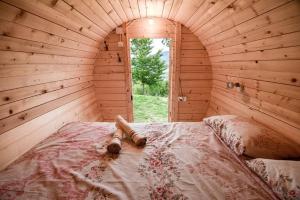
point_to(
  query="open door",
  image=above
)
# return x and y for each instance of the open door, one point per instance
(149, 58)
(155, 28)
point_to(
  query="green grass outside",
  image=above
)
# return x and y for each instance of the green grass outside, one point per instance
(150, 108)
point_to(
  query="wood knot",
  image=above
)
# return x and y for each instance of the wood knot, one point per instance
(23, 117)
(105, 46)
(293, 80)
(54, 2)
(256, 61)
(44, 91)
(119, 58)
(20, 14)
(230, 6)
(11, 111)
(62, 86)
(80, 29)
(5, 34)
(6, 98)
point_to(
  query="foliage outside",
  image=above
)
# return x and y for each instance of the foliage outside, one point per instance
(166, 42)
(150, 83)
(159, 89)
(147, 68)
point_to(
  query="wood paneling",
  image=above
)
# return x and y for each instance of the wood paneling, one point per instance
(17, 141)
(152, 27)
(253, 42)
(261, 51)
(174, 71)
(48, 50)
(195, 83)
(190, 71)
(110, 76)
(46, 73)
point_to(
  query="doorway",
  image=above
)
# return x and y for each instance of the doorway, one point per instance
(150, 64)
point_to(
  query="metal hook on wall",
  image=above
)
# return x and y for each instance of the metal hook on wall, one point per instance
(240, 87)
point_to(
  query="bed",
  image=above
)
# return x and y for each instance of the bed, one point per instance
(180, 161)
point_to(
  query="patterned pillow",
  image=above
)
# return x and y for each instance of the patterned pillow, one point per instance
(216, 122)
(283, 176)
(245, 136)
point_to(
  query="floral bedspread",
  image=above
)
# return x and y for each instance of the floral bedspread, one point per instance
(180, 161)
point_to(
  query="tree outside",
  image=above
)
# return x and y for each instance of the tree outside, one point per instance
(147, 68)
(150, 79)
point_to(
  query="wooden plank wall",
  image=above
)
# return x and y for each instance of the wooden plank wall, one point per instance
(48, 50)
(174, 70)
(113, 77)
(261, 50)
(151, 28)
(195, 78)
(109, 78)
(194, 70)
(46, 75)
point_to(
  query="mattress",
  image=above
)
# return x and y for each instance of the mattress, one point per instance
(180, 161)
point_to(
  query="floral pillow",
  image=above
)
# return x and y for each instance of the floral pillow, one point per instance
(283, 176)
(247, 137)
(216, 122)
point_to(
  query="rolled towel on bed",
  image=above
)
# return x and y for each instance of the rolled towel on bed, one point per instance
(123, 124)
(115, 144)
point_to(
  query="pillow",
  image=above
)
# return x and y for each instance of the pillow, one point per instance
(283, 176)
(216, 122)
(247, 137)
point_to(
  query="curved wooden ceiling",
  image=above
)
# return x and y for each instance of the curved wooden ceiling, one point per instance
(210, 20)
(199, 15)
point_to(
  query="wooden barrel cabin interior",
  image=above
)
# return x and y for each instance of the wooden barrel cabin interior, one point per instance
(65, 68)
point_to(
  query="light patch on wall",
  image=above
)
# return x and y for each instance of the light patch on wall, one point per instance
(151, 21)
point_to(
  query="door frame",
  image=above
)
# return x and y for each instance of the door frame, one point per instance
(172, 30)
